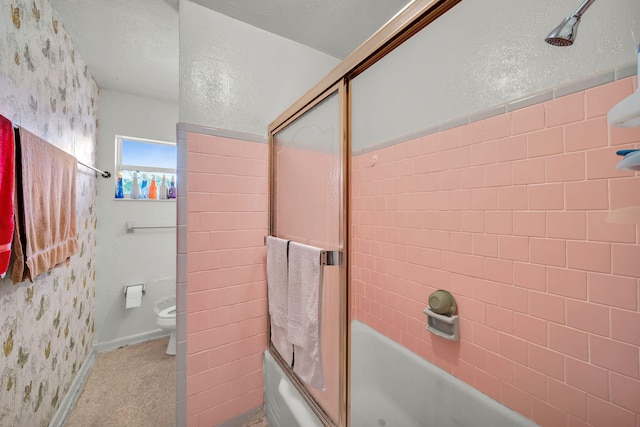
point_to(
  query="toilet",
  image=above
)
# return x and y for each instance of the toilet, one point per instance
(166, 320)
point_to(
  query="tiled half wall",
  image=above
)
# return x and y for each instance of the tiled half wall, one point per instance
(510, 214)
(221, 274)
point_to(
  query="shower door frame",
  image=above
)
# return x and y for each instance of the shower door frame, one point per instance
(409, 21)
(340, 89)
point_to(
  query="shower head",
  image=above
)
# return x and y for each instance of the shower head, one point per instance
(565, 33)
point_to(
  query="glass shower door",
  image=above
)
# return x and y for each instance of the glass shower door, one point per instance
(307, 206)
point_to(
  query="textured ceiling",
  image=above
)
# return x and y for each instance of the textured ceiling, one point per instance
(132, 46)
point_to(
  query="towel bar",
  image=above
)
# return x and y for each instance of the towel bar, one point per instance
(131, 228)
(329, 258)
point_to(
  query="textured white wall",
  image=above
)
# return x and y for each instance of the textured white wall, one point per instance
(483, 53)
(237, 77)
(147, 256)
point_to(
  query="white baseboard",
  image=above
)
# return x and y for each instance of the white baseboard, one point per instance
(130, 340)
(75, 389)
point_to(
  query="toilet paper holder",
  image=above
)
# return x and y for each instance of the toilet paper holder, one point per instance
(128, 286)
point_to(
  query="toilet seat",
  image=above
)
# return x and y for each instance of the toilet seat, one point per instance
(168, 313)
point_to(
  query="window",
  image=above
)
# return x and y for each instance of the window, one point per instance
(148, 160)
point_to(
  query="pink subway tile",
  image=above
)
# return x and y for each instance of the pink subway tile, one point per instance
(527, 119)
(530, 171)
(567, 109)
(513, 248)
(546, 361)
(460, 158)
(486, 291)
(484, 337)
(484, 153)
(460, 242)
(499, 366)
(545, 142)
(625, 259)
(546, 197)
(414, 148)
(599, 229)
(516, 399)
(625, 392)
(621, 136)
(499, 270)
(450, 139)
(586, 135)
(529, 380)
(587, 377)
(546, 306)
(567, 225)
(600, 99)
(530, 276)
(485, 245)
(529, 224)
(590, 256)
(471, 309)
(548, 251)
(624, 192)
(459, 200)
(472, 177)
(512, 198)
(487, 383)
(514, 348)
(569, 283)
(472, 133)
(614, 355)
(625, 326)
(497, 127)
(614, 291)
(587, 195)
(567, 398)
(512, 148)
(531, 329)
(472, 222)
(602, 163)
(569, 341)
(607, 414)
(514, 298)
(565, 167)
(588, 317)
(498, 175)
(483, 199)
(498, 222)
(548, 415)
(500, 318)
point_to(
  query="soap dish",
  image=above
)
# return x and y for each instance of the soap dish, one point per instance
(447, 327)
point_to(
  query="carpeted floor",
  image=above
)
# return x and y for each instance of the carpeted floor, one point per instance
(129, 386)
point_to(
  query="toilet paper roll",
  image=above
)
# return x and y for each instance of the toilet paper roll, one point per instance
(134, 296)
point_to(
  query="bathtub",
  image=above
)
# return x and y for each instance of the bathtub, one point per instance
(391, 387)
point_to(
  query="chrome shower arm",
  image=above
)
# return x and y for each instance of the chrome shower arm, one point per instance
(583, 8)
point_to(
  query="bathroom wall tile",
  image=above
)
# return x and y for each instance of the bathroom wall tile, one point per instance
(567, 225)
(613, 290)
(546, 361)
(625, 392)
(531, 171)
(472, 177)
(512, 148)
(565, 167)
(514, 298)
(527, 119)
(616, 356)
(516, 399)
(497, 127)
(485, 245)
(625, 260)
(487, 114)
(484, 199)
(530, 381)
(568, 398)
(546, 306)
(565, 282)
(589, 317)
(471, 133)
(587, 377)
(529, 224)
(601, 163)
(599, 100)
(567, 109)
(599, 229)
(589, 256)
(620, 136)
(545, 142)
(484, 153)
(487, 383)
(625, 326)
(623, 192)
(498, 175)
(499, 366)
(601, 413)
(546, 197)
(499, 318)
(513, 348)
(499, 270)
(485, 337)
(529, 276)
(586, 135)
(530, 329)
(548, 251)
(569, 341)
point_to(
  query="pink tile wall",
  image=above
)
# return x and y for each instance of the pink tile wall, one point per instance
(226, 289)
(510, 215)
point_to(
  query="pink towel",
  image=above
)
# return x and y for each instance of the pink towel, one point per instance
(45, 220)
(7, 169)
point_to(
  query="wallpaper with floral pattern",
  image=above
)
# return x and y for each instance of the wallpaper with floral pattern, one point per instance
(46, 327)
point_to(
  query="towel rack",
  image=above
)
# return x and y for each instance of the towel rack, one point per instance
(131, 227)
(329, 258)
(105, 174)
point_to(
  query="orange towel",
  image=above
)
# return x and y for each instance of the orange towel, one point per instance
(45, 235)
(7, 170)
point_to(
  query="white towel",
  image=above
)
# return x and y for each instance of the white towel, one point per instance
(277, 290)
(304, 308)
